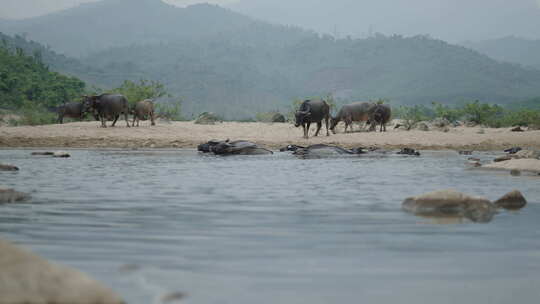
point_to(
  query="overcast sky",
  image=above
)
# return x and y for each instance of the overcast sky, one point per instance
(451, 20)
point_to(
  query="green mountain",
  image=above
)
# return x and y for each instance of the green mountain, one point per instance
(510, 49)
(227, 63)
(26, 79)
(95, 26)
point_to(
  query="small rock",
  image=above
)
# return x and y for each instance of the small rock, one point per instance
(8, 195)
(470, 124)
(445, 129)
(475, 163)
(440, 122)
(206, 118)
(517, 129)
(481, 131)
(502, 158)
(152, 146)
(422, 126)
(173, 297)
(43, 153)
(409, 151)
(512, 201)
(465, 152)
(278, 117)
(526, 154)
(513, 150)
(515, 172)
(450, 203)
(30, 279)
(476, 159)
(61, 154)
(8, 168)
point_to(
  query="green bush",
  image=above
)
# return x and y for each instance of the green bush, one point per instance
(446, 112)
(411, 115)
(170, 110)
(33, 114)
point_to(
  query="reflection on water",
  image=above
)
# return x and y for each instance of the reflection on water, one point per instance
(273, 229)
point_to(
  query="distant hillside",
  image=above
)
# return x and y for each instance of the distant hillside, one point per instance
(26, 79)
(95, 26)
(510, 49)
(57, 62)
(234, 78)
(224, 62)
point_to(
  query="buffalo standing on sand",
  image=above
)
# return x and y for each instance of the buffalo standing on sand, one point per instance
(107, 106)
(379, 115)
(71, 110)
(349, 113)
(142, 111)
(312, 111)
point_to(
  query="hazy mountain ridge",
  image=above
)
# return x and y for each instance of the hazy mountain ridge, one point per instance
(230, 64)
(510, 49)
(95, 26)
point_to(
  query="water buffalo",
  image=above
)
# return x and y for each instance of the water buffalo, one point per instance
(107, 106)
(238, 147)
(379, 115)
(322, 150)
(72, 110)
(312, 111)
(143, 110)
(356, 111)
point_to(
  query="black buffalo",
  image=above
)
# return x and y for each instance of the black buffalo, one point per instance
(312, 111)
(107, 106)
(379, 115)
(70, 110)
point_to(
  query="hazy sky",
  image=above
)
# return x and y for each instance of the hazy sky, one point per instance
(452, 20)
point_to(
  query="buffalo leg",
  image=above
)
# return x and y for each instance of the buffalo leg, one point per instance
(134, 118)
(152, 118)
(306, 130)
(115, 119)
(103, 123)
(126, 118)
(326, 123)
(319, 126)
(60, 119)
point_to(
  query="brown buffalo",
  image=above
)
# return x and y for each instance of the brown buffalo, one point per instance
(143, 110)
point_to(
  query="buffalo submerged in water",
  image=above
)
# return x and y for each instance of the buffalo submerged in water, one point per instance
(321, 150)
(238, 147)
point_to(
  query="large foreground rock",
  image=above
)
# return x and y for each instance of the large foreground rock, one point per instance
(26, 278)
(8, 195)
(450, 203)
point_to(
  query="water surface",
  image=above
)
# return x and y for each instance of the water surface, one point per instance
(273, 229)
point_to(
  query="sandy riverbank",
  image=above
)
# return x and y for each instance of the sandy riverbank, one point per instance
(189, 135)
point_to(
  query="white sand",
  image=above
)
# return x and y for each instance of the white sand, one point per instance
(189, 135)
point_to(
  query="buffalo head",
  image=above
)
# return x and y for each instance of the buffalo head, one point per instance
(301, 117)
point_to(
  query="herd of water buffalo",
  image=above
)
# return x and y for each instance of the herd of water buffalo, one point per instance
(110, 106)
(107, 107)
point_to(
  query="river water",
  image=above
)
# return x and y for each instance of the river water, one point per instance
(273, 229)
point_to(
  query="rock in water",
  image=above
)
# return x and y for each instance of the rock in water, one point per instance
(512, 201)
(43, 153)
(450, 203)
(8, 168)
(11, 196)
(30, 279)
(61, 154)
